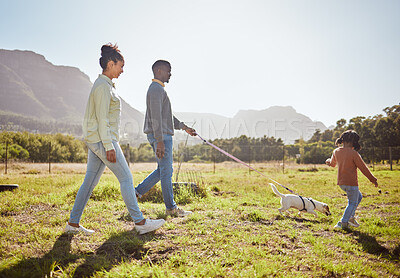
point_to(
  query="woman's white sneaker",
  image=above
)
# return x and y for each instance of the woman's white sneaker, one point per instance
(74, 230)
(149, 226)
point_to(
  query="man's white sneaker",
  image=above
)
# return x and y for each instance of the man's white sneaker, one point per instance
(353, 222)
(178, 212)
(73, 230)
(149, 226)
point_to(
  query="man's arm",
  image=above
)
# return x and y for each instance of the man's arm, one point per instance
(181, 125)
(154, 103)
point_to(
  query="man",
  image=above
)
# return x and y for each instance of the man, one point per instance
(159, 126)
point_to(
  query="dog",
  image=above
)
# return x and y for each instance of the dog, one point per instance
(302, 204)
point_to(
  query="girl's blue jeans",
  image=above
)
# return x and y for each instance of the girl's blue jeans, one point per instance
(354, 198)
(163, 172)
(96, 163)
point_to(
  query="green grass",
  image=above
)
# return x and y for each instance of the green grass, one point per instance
(235, 230)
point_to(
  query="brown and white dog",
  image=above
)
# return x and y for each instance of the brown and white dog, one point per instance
(302, 204)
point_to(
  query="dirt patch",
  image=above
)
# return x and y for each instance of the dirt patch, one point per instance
(222, 193)
(32, 213)
(159, 255)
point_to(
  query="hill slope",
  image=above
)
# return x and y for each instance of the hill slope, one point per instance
(31, 86)
(41, 97)
(276, 121)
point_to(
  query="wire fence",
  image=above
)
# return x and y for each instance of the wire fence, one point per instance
(386, 156)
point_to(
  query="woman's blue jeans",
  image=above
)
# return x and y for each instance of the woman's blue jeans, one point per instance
(97, 161)
(163, 172)
(354, 198)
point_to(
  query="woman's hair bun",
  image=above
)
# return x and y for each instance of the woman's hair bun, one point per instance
(108, 48)
(109, 52)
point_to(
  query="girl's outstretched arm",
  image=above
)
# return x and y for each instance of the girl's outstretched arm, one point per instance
(331, 161)
(364, 169)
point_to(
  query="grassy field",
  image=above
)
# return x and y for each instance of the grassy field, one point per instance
(235, 230)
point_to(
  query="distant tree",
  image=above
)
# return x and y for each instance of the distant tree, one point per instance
(317, 136)
(386, 133)
(327, 135)
(317, 153)
(339, 129)
(145, 153)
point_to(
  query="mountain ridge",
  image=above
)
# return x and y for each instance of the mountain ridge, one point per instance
(31, 86)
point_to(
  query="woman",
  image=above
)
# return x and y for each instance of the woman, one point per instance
(101, 134)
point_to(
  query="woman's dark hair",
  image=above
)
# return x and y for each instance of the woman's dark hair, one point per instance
(109, 52)
(349, 136)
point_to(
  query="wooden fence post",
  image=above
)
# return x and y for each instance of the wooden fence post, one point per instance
(249, 158)
(283, 159)
(6, 156)
(128, 155)
(390, 158)
(48, 158)
(214, 158)
(373, 159)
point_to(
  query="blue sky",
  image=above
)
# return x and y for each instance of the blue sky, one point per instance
(327, 59)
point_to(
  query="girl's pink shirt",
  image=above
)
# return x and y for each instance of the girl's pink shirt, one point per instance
(348, 160)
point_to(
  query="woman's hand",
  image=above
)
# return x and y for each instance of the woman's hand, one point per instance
(111, 156)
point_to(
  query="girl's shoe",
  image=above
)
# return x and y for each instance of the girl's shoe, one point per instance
(353, 222)
(178, 212)
(342, 225)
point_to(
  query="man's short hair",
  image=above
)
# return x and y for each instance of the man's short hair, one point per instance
(160, 63)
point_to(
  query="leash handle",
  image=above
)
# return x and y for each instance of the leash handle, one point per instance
(243, 163)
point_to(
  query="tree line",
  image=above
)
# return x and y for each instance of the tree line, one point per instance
(379, 134)
(32, 147)
(10, 122)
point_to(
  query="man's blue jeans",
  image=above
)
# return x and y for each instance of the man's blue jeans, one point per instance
(354, 197)
(163, 172)
(97, 161)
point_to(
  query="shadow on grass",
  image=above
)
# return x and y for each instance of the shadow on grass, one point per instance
(372, 246)
(298, 219)
(122, 246)
(118, 247)
(59, 255)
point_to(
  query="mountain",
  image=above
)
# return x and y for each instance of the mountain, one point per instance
(37, 96)
(31, 86)
(276, 121)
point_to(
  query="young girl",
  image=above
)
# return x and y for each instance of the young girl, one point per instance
(348, 160)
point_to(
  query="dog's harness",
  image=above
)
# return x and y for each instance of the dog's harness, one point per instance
(304, 204)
